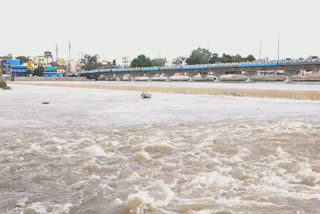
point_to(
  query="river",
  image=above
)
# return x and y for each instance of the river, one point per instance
(108, 151)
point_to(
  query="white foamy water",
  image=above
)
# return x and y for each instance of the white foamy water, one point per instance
(98, 151)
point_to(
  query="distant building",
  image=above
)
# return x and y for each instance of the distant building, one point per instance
(51, 72)
(181, 60)
(178, 61)
(5, 67)
(104, 61)
(48, 56)
(51, 69)
(19, 70)
(13, 67)
(75, 66)
(61, 65)
(125, 61)
(52, 75)
(39, 61)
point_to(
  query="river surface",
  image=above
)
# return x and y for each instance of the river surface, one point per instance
(99, 151)
(300, 86)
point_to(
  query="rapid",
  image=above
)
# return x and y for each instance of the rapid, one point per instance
(100, 151)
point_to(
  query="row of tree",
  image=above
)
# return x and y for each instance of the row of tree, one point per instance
(198, 56)
(91, 62)
(204, 56)
(143, 61)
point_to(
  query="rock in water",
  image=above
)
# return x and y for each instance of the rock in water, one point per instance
(145, 96)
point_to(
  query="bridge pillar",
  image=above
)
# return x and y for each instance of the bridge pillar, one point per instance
(133, 76)
(289, 74)
(250, 74)
(156, 77)
(149, 76)
(193, 75)
(109, 77)
(117, 77)
(105, 77)
(125, 77)
(167, 75)
(102, 77)
(218, 75)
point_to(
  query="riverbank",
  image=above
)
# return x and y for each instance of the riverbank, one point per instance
(225, 78)
(304, 94)
(50, 79)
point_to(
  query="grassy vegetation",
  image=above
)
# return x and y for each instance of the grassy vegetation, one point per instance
(3, 84)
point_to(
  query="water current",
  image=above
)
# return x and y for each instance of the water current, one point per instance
(99, 151)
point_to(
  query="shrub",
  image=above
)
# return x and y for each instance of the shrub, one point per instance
(3, 84)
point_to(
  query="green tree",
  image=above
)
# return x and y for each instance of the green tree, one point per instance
(158, 62)
(226, 58)
(38, 71)
(250, 58)
(199, 56)
(236, 58)
(214, 59)
(141, 61)
(90, 62)
(23, 59)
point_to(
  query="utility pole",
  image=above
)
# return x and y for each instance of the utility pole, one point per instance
(260, 50)
(278, 47)
(69, 50)
(69, 60)
(125, 61)
(57, 52)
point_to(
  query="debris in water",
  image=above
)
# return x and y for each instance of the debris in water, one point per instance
(45, 103)
(145, 96)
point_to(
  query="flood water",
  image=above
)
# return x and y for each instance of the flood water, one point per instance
(300, 86)
(99, 151)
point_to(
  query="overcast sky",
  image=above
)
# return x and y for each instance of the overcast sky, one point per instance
(165, 28)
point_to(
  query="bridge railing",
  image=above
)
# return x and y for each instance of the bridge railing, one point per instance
(300, 61)
(258, 63)
(224, 65)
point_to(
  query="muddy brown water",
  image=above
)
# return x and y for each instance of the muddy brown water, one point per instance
(99, 151)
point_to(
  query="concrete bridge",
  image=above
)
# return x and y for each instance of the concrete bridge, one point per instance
(193, 72)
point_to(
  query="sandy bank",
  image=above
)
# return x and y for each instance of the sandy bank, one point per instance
(261, 93)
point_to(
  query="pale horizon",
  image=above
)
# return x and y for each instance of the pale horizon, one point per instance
(113, 29)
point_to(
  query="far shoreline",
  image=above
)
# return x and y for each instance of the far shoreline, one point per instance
(236, 92)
